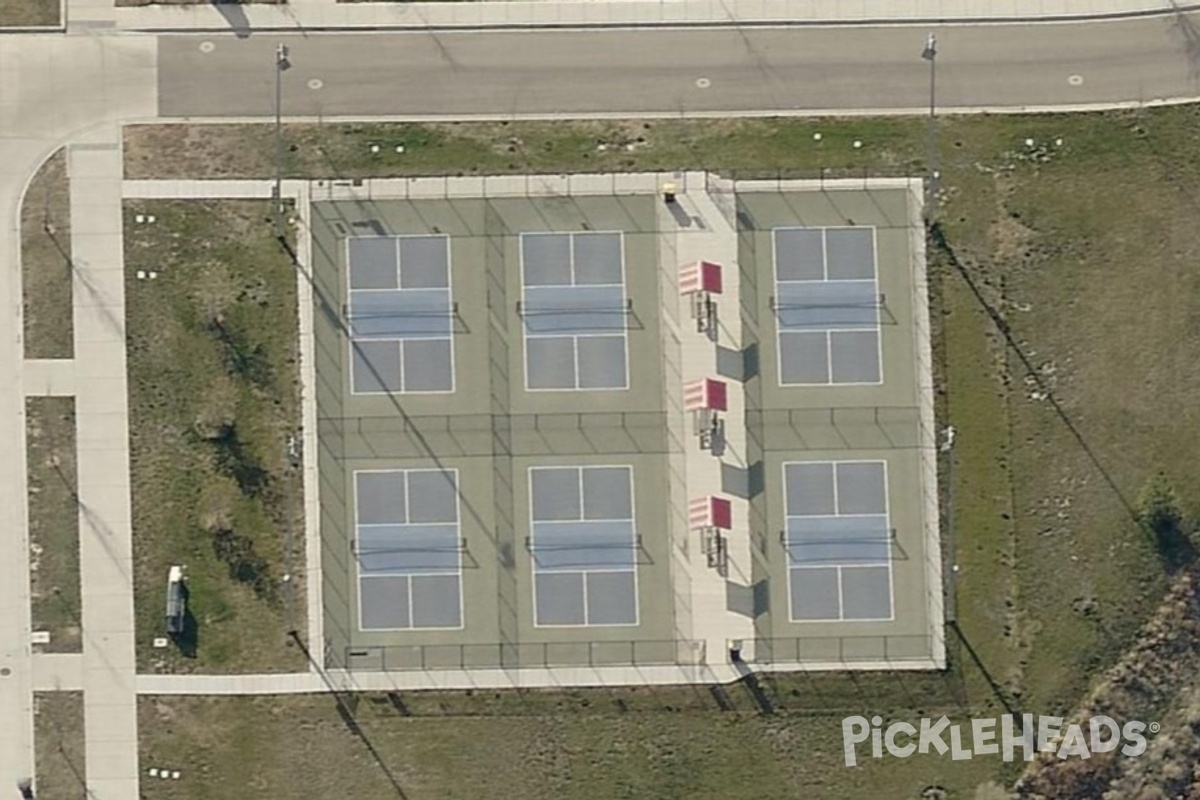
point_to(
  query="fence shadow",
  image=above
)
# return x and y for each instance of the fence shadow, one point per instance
(942, 246)
(346, 705)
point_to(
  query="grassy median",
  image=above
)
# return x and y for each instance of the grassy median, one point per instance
(46, 262)
(53, 522)
(29, 13)
(1065, 300)
(214, 393)
(59, 745)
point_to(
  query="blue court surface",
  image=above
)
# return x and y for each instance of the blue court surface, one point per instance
(827, 306)
(574, 311)
(584, 545)
(838, 540)
(408, 549)
(400, 314)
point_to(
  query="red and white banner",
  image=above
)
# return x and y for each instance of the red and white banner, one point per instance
(705, 393)
(700, 276)
(710, 512)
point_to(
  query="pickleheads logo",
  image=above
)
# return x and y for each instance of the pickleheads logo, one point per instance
(1028, 733)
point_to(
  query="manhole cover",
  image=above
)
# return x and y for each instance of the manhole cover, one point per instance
(703, 83)
(207, 47)
(1075, 80)
(316, 83)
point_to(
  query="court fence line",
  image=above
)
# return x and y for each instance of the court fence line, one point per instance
(586, 182)
(585, 420)
(889, 648)
(462, 423)
(510, 655)
(768, 651)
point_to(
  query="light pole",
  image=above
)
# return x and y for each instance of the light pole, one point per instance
(930, 55)
(281, 63)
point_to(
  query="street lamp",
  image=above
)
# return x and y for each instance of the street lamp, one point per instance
(930, 55)
(281, 63)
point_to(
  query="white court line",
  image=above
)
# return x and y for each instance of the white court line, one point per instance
(874, 281)
(359, 574)
(573, 335)
(838, 566)
(399, 340)
(536, 569)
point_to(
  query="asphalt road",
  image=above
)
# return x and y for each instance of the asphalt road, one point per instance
(566, 73)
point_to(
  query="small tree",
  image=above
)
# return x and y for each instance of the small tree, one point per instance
(1161, 518)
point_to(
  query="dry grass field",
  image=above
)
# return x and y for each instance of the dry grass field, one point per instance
(1065, 301)
(213, 394)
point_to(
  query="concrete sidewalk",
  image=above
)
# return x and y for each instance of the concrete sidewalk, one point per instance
(307, 15)
(53, 86)
(105, 528)
(16, 689)
(706, 231)
(50, 377)
(57, 672)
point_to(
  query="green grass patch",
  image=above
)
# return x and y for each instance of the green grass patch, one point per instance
(214, 393)
(53, 521)
(46, 262)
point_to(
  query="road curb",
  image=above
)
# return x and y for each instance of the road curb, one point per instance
(294, 26)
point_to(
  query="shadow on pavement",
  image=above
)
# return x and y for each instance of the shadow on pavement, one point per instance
(236, 17)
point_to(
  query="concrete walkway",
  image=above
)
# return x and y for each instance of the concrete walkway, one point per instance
(57, 672)
(286, 683)
(105, 541)
(16, 689)
(54, 86)
(707, 232)
(327, 14)
(50, 377)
